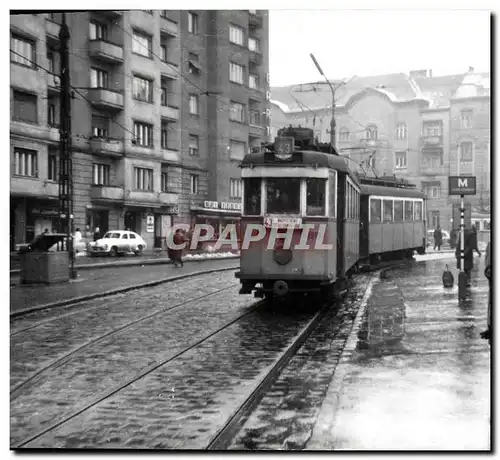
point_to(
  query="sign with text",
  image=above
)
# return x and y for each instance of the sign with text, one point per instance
(150, 223)
(461, 185)
(222, 205)
(283, 147)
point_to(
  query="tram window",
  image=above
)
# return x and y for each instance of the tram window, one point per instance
(398, 211)
(347, 200)
(375, 210)
(408, 210)
(283, 196)
(252, 197)
(418, 210)
(388, 205)
(316, 199)
(333, 194)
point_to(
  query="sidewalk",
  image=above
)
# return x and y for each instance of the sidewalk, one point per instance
(415, 374)
(105, 279)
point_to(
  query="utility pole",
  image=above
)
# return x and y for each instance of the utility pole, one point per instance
(66, 222)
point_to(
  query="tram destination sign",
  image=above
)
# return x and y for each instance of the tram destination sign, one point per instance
(461, 185)
(283, 148)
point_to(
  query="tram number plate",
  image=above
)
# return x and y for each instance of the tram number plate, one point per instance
(282, 222)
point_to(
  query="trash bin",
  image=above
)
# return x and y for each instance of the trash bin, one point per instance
(41, 266)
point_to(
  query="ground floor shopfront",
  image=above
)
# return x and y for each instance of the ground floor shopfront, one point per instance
(218, 215)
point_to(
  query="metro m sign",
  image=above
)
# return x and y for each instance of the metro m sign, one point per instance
(461, 185)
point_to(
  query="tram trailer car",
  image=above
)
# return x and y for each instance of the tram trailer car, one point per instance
(298, 182)
(392, 222)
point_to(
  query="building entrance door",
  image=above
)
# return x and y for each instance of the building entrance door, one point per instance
(131, 221)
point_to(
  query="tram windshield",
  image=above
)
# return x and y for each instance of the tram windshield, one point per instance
(283, 195)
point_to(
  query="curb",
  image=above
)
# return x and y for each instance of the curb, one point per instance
(86, 298)
(165, 261)
(321, 433)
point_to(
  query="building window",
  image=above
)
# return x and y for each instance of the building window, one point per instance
(435, 219)
(141, 44)
(51, 115)
(236, 35)
(253, 44)
(51, 59)
(466, 149)
(194, 181)
(343, 134)
(236, 187)
(52, 167)
(253, 81)
(432, 189)
(164, 135)
(193, 144)
(237, 112)
(433, 128)
(193, 104)
(25, 50)
(143, 179)
(98, 31)
(143, 134)
(401, 160)
(25, 107)
(142, 89)
(100, 126)
(254, 117)
(192, 23)
(466, 117)
(25, 163)
(235, 73)
(401, 131)
(100, 174)
(237, 150)
(371, 133)
(164, 181)
(98, 78)
(163, 53)
(194, 64)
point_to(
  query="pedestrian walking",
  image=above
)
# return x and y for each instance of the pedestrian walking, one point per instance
(176, 254)
(78, 236)
(468, 254)
(97, 233)
(487, 273)
(438, 238)
(474, 241)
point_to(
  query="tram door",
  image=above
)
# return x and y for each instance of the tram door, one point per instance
(364, 240)
(341, 186)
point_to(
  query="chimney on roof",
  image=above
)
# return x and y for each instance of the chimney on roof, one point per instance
(471, 69)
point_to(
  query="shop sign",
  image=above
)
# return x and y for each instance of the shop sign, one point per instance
(225, 206)
(172, 210)
(150, 223)
(45, 212)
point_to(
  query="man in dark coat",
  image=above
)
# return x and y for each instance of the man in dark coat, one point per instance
(453, 238)
(176, 254)
(474, 241)
(438, 238)
(468, 253)
(487, 272)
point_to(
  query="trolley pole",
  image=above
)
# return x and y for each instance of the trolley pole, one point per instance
(66, 221)
(462, 277)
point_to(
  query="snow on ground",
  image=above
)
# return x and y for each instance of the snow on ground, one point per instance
(434, 256)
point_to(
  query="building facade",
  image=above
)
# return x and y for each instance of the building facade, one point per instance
(418, 127)
(165, 105)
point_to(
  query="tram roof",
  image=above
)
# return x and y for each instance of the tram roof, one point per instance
(300, 158)
(379, 190)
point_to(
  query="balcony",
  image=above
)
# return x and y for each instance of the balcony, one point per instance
(167, 198)
(254, 20)
(432, 141)
(106, 147)
(255, 57)
(52, 28)
(169, 70)
(169, 112)
(169, 155)
(33, 186)
(169, 27)
(54, 134)
(106, 51)
(138, 197)
(106, 99)
(432, 167)
(53, 83)
(106, 193)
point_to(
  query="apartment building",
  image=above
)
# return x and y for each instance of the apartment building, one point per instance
(418, 127)
(165, 105)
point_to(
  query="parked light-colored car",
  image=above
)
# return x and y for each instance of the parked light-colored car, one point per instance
(117, 242)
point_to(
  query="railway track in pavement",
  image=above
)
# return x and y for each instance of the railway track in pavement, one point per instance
(102, 397)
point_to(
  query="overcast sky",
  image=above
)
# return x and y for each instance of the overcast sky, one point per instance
(373, 42)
